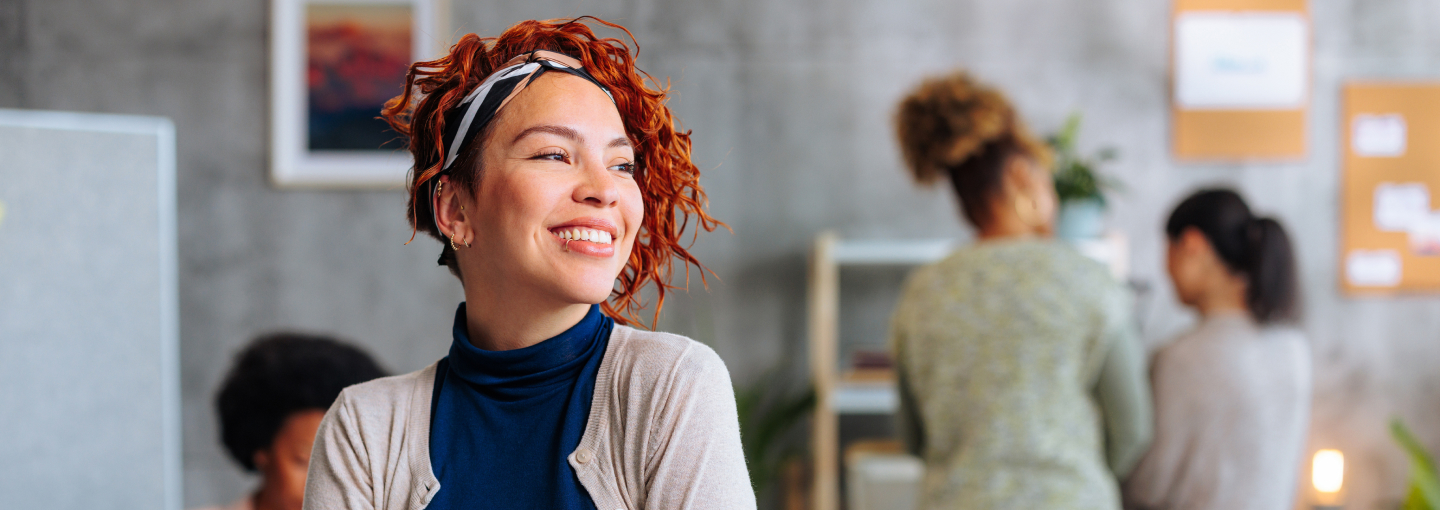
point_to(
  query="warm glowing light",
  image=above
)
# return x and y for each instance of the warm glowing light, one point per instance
(1328, 471)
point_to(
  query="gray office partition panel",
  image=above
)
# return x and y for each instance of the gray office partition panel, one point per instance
(89, 350)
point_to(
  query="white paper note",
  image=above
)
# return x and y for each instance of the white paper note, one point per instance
(1378, 136)
(1425, 235)
(1373, 268)
(1398, 205)
(1241, 60)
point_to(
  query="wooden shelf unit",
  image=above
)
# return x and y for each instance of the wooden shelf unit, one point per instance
(866, 392)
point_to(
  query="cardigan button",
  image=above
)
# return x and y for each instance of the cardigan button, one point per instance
(582, 455)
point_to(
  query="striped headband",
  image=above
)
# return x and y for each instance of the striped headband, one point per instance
(480, 107)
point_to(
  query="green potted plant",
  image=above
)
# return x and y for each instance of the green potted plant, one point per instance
(1080, 188)
(1424, 493)
(769, 408)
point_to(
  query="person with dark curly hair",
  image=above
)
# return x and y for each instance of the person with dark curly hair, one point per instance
(271, 403)
(1022, 381)
(559, 186)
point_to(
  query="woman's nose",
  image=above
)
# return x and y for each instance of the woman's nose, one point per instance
(597, 186)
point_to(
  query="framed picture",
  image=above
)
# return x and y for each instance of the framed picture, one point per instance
(334, 63)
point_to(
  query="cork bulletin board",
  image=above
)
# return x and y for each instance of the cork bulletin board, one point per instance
(1240, 79)
(1390, 230)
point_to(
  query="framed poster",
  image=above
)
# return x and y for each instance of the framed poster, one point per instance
(1240, 79)
(334, 63)
(1390, 227)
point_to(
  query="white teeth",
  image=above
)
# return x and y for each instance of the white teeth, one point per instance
(585, 234)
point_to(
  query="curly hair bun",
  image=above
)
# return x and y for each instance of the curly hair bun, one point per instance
(947, 120)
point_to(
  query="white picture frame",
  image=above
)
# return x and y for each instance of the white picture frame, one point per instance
(311, 144)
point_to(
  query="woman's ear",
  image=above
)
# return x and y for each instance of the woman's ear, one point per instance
(1018, 178)
(1193, 241)
(262, 459)
(1026, 181)
(450, 215)
(1194, 245)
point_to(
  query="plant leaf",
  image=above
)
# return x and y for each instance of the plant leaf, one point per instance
(1423, 478)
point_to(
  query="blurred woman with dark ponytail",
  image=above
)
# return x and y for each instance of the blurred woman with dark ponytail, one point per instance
(1232, 396)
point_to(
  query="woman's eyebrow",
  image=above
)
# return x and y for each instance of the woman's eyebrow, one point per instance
(551, 129)
(569, 133)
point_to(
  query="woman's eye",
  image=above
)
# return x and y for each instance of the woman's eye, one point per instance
(628, 168)
(551, 156)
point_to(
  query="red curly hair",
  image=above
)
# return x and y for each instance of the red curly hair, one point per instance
(669, 182)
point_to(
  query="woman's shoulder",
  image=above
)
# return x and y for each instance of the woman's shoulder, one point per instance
(651, 368)
(1215, 344)
(658, 352)
(387, 396)
(1030, 256)
(1288, 334)
(657, 373)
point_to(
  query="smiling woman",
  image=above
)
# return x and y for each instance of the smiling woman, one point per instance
(559, 186)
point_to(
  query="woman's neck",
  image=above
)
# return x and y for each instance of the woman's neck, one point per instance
(494, 323)
(267, 498)
(1226, 296)
(1003, 227)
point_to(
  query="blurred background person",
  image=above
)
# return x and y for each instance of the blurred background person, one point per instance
(271, 403)
(1232, 396)
(554, 178)
(1022, 380)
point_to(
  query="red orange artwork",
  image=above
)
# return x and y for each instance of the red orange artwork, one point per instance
(356, 56)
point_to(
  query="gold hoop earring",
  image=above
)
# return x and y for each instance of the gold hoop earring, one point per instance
(1027, 215)
(452, 243)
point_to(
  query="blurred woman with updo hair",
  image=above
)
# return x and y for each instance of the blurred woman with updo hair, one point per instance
(1232, 395)
(559, 186)
(1022, 381)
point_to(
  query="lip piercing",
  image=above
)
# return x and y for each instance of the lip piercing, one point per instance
(566, 247)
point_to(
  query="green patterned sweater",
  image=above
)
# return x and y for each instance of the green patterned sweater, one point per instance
(1022, 381)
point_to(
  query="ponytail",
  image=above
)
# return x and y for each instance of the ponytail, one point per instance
(1272, 293)
(1257, 248)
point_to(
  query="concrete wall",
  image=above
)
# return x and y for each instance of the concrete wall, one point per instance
(790, 102)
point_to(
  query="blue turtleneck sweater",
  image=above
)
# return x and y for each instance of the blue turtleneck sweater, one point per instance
(502, 422)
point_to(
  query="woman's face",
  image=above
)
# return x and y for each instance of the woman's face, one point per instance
(284, 464)
(557, 209)
(1188, 260)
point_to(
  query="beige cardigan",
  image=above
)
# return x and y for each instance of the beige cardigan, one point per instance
(662, 434)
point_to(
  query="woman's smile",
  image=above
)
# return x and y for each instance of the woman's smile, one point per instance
(586, 236)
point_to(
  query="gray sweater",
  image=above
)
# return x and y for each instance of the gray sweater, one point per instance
(1232, 405)
(662, 434)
